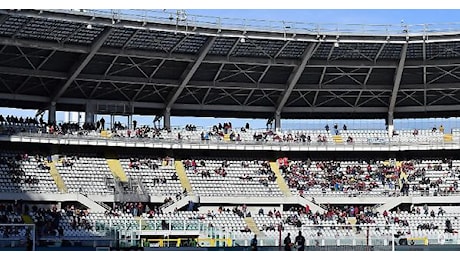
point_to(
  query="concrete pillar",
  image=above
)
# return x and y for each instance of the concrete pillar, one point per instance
(79, 118)
(90, 113)
(130, 121)
(112, 121)
(52, 113)
(167, 119)
(130, 115)
(277, 121)
(390, 125)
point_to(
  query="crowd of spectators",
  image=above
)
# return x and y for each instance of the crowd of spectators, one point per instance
(218, 132)
(15, 169)
(331, 176)
(47, 219)
(14, 120)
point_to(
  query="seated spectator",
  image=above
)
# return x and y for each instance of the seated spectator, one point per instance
(350, 139)
(449, 228)
(261, 211)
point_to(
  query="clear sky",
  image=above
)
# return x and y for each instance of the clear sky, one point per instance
(339, 12)
(344, 16)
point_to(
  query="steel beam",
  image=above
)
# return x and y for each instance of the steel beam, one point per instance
(189, 73)
(397, 79)
(110, 51)
(82, 64)
(225, 85)
(267, 109)
(294, 77)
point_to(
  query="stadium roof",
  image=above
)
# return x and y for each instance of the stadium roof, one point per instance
(196, 66)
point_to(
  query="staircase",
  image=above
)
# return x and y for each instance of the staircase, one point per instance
(182, 202)
(337, 139)
(253, 226)
(115, 167)
(91, 204)
(303, 201)
(180, 169)
(393, 202)
(57, 177)
(280, 180)
(102, 204)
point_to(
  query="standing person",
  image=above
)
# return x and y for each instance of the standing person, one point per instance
(102, 121)
(254, 243)
(287, 242)
(300, 241)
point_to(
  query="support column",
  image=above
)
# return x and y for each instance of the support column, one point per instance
(130, 121)
(167, 119)
(130, 115)
(89, 113)
(112, 121)
(52, 113)
(79, 118)
(397, 83)
(277, 121)
(390, 125)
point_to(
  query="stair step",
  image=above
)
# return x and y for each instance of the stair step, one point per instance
(280, 180)
(57, 177)
(115, 167)
(180, 169)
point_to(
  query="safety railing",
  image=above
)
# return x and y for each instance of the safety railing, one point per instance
(183, 18)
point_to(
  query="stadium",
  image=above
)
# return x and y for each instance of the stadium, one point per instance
(98, 184)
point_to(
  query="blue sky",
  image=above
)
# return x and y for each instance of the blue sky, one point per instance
(343, 16)
(359, 13)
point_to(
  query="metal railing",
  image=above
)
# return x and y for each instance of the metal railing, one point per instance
(182, 18)
(330, 145)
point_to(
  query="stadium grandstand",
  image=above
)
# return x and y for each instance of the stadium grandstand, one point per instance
(97, 184)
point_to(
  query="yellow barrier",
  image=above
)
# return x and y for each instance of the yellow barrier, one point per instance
(424, 239)
(448, 137)
(176, 242)
(212, 242)
(161, 241)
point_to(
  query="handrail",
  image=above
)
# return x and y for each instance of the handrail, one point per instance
(389, 142)
(182, 18)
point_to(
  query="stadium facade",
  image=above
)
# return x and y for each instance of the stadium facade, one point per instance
(173, 64)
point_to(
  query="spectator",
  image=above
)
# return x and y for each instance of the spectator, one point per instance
(102, 121)
(287, 242)
(254, 243)
(300, 242)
